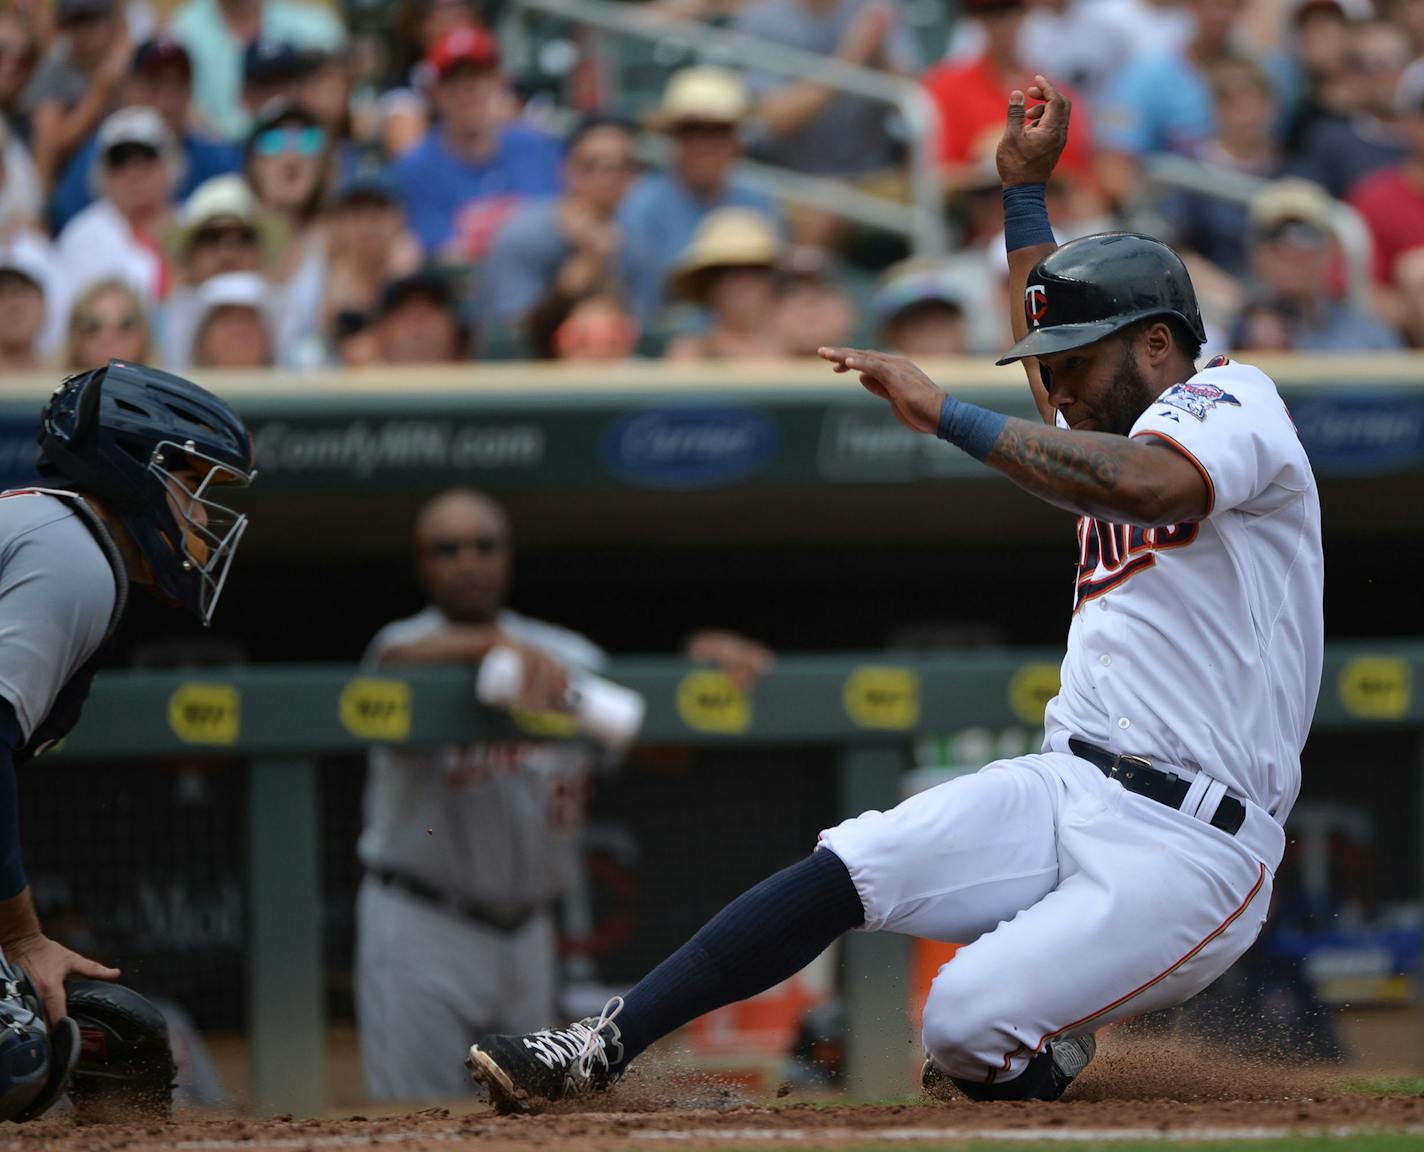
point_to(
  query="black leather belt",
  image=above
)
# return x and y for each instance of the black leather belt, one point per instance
(1137, 775)
(500, 917)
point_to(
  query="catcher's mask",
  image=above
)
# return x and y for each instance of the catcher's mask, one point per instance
(153, 447)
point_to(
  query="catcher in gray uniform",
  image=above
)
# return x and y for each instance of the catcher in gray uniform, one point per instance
(467, 848)
(131, 458)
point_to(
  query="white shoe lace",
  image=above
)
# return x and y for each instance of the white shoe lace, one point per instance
(593, 1044)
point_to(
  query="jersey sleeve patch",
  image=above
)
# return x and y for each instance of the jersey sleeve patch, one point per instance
(1196, 398)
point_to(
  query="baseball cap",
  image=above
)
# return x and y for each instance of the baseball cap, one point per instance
(160, 51)
(71, 11)
(980, 7)
(475, 47)
(268, 60)
(913, 282)
(230, 290)
(702, 95)
(1291, 201)
(428, 283)
(1353, 11)
(135, 125)
(29, 256)
(1409, 93)
(368, 186)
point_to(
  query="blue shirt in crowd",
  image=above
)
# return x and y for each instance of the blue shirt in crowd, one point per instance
(450, 200)
(203, 159)
(664, 213)
(1157, 102)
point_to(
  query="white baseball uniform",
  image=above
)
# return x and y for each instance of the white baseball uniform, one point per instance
(455, 837)
(1198, 647)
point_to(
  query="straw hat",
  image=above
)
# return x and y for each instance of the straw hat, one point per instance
(1290, 200)
(222, 199)
(726, 238)
(702, 95)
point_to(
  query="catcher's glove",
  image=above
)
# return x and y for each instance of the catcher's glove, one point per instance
(125, 1068)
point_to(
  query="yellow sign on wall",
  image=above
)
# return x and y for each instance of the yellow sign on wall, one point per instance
(205, 713)
(376, 709)
(1030, 690)
(709, 702)
(1376, 687)
(882, 697)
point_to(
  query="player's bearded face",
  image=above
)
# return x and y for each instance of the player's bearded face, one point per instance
(1098, 388)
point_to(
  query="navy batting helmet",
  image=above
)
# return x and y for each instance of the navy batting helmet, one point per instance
(24, 1043)
(1091, 287)
(151, 447)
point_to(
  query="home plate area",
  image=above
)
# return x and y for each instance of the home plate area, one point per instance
(1125, 1104)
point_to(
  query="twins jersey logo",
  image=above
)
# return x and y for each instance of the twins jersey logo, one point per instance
(1035, 304)
(1109, 555)
(1196, 398)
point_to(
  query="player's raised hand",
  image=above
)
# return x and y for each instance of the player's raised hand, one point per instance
(1034, 137)
(914, 397)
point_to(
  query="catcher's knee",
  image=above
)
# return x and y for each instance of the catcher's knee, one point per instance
(35, 1062)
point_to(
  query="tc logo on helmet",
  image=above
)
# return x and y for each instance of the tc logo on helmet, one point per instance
(1035, 303)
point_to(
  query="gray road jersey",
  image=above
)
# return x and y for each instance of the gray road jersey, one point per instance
(492, 822)
(57, 594)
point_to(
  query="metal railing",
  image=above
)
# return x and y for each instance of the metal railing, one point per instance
(1187, 175)
(920, 221)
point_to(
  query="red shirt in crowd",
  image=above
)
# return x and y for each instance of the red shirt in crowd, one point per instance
(1392, 203)
(973, 103)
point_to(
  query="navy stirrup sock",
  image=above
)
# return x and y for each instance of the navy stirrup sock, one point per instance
(765, 935)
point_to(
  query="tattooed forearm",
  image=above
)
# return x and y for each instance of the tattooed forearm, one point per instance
(1091, 473)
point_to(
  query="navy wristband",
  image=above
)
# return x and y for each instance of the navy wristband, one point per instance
(970, 427)
(1025, 217)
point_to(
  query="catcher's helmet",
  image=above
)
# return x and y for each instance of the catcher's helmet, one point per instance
(24, 1043)
(121, 433)
(1091, 287)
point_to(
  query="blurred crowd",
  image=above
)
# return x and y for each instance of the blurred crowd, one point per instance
(249, 183)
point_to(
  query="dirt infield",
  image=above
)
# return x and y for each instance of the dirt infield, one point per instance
(759, 1126)
(1131, 1091)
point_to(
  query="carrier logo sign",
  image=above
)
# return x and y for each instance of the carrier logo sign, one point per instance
(1035, 303)
(693, 447)
(1361, 435)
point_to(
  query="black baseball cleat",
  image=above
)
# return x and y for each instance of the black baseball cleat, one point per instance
(556, 1064)
(1066, 1059)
